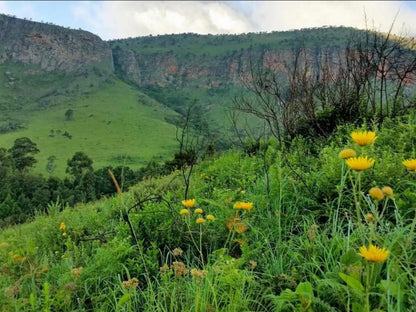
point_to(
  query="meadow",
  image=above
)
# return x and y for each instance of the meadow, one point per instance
(124, 122)
(317, 225)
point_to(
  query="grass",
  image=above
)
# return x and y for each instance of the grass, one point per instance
(116, 125)
(298, 249)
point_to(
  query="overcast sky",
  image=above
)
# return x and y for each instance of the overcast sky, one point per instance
(121, 19)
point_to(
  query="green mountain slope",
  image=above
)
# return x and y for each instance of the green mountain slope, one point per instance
(113, 125)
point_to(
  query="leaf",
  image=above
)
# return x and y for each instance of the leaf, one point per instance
(358, 307)
(350, 258)
(305, 289)
(351, 282)
(123, 300)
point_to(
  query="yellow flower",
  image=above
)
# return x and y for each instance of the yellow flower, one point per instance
(198, 211)
(177, 252)
(347, 153)
(210, 217)
(376, 193)
(184, 212)
(410, 164)
(387, 190)
(164, 268)
(198, 273)
(360, 163)
(234, 223)
(188, 203)
(131, 283)
(64, 234)
(240, 227)
(374, 253)
(369, 217)
(179, 268)
(63, 226)
(243, 205)
(363, 137)
(76, 272)
(200, 220)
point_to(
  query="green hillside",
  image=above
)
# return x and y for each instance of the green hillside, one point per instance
(115, 124)
(292, 231)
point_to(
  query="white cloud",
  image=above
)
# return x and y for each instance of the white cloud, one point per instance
(3, 7)
(131, 19)
(286, 15)
(121, 19)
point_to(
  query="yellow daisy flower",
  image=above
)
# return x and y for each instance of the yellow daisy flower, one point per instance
(363, 138)
(188, 203)
(410, 164)
(243, 205)
(374, 253)
(387, 190)
(198, 211)
(359, 163)
(184, 212)
(200, 220)
(210, 217)
(376, 193)
(62, 226)
(347, 153)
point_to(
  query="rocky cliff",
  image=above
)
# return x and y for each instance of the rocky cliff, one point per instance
(52, 47)
(167, 69)
(212, 61)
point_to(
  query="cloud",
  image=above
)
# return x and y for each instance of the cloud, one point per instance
(123, 19)
(3, 7)
(284, 15)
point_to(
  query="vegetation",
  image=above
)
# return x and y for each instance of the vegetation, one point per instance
(320, 240)
(315, 211)
(123, 120)
(183, 45)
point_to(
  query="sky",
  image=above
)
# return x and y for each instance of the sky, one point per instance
(123, 19)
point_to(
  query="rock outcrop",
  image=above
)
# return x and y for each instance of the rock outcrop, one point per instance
(52, 47)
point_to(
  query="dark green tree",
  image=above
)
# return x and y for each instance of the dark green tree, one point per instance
(69, 114)
(79, 164)
(22, 153)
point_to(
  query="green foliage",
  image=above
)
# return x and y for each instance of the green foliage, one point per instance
(297, 252)
(22, 151)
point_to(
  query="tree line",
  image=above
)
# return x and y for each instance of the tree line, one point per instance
(23, 192)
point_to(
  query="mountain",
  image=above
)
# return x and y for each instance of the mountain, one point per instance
(52, 47)
(46, 70)
(211, 61)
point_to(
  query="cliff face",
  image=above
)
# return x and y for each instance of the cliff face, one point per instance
(52, 47)
(166, 69)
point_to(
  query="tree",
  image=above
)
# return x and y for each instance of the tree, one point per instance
(189, 146)
(22, 151)
(69, 114)
(50, 166)
(79, 164)
(316, 89)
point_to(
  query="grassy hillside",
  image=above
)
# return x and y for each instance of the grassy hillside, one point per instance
(285, 232)
(115, 124)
